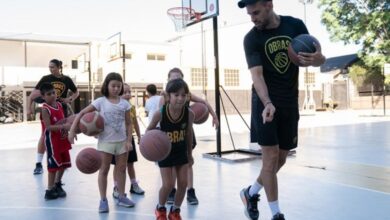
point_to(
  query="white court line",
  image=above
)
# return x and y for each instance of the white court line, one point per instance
(347, 185)
(356, 187)
(75, 209)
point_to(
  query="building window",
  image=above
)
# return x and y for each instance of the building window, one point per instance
(198, 77)
(158, 57)
(310, 78)
(232, 77)
(128, 56)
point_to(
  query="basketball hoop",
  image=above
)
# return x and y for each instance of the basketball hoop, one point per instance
(181, 16)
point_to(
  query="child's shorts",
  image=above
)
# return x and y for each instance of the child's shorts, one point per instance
(114, 148)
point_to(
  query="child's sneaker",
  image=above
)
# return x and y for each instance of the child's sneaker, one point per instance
(161, 213)
(171, 197)
(51, 194)
(38, 169)
(136, 189)
(278, 216)
(174, 215)
(103, 206)
(60, 191)
(115, 192)
(125, 202)
(191, 197)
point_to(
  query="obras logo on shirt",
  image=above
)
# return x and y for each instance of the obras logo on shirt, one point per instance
(59, 87)
(276, 51)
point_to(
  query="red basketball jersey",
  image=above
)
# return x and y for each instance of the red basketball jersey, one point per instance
(57, 139)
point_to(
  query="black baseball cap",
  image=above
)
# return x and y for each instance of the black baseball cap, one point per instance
(244, 3)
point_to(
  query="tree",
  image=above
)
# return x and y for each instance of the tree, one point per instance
(365, 22)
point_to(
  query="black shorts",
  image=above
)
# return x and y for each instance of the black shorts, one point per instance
(282, 130)
(132, 156)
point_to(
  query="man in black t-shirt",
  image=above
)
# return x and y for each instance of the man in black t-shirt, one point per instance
(274, 95)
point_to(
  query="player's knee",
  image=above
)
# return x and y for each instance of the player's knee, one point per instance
(104, 170)
(182, 183)
(282, 161)
(121, 168)
(271, 165)
(168, 185)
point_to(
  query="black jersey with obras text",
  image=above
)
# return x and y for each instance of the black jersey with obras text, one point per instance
(176, 131)
(268, 48)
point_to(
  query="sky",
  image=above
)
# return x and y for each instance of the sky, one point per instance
(144, 20)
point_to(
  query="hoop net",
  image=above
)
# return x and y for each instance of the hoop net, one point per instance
(181, 16)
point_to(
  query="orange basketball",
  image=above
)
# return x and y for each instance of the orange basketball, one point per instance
(88, 160)
(92, 123)
(155, 145)
(201, 112)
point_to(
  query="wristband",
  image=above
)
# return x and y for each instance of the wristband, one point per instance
(269, 102)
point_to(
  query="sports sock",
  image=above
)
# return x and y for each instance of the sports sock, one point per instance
(174, 207)
(274, 206)
(39, 157)
(255, 188)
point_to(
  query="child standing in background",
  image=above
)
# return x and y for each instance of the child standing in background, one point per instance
(132, 156)
(152, 104)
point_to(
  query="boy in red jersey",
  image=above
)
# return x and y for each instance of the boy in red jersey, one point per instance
(55, 141)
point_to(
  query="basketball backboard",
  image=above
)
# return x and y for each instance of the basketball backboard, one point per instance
(113, 45)
(206, 8)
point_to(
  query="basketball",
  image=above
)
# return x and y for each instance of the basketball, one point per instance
(155, 145)
(201, 112)
(69, 120)
(88, 160)
(92, 123)
(301, 43)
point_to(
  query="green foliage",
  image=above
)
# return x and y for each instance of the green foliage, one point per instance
(357, 74)
(364, 22)
(362, 75)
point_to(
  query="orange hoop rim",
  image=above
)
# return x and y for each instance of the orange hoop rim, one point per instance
(181, 16)
(183, 12)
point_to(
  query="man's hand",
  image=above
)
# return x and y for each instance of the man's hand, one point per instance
(312, 59)
(268, 112)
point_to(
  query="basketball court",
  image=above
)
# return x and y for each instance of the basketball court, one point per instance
(340, 171)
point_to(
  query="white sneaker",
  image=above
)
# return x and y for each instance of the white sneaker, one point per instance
(115, 193)
(136, 189)
(125, 202)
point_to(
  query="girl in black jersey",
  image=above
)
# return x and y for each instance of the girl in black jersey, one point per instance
(176, 120)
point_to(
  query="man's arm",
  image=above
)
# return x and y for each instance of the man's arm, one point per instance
(262, 92)
(34, 94)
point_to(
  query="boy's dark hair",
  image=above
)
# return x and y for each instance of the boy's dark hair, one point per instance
(111, 76)
(45, 87)
(175, 70)
(152, 89)
(175, 85)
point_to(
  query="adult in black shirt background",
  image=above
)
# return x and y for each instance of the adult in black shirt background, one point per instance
(62, 84)
(274, 95)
